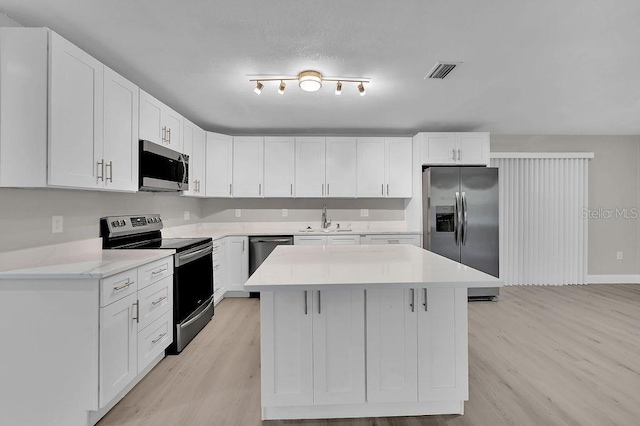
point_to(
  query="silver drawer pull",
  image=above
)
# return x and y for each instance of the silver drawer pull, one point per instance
(393, 241)
(159, 338)
(159, 300)
(125, 285)
(159, 271)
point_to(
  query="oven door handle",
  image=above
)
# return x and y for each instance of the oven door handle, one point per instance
(198, 315)
(185, 258)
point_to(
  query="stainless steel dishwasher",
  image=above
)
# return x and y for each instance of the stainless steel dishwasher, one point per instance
(260, 248)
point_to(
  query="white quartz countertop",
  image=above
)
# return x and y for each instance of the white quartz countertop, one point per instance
(77, 260)
(366, 266)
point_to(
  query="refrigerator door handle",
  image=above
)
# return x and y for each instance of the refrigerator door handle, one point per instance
(457, 222)
(464, 219)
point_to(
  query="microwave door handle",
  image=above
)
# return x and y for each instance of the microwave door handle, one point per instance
(184, 170)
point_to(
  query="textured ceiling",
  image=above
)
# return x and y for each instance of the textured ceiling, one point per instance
(529, 67)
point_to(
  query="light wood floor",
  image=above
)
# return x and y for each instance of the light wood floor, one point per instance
(540, 356)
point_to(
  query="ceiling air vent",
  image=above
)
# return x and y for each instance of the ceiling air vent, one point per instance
(441, 69)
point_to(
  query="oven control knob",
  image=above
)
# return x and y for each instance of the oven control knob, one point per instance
(114, 223)
(122, 223)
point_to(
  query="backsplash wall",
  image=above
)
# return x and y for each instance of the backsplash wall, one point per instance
(301, 210)
(25, 214)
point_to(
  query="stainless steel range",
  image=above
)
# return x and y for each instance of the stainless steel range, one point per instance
(193, 269)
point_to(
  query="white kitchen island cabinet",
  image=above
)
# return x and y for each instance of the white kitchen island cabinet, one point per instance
(363, 331)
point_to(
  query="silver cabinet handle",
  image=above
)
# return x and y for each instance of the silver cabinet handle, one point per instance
(328, 192)
(459, 156)
(413, 295)
(291, 189)
(195, 186)
(426, 308)
(125, 285)
(137, 314)
(159, 271)
(382, 188)
(159, 338)
(306, 307)
(387, 190)
(464, 219)
(453, 154)
(323, 189)
(393, 241)
(259, 189)
(110, 166)
(168, 134)
(101, 167)
(164, 134)
(319, 302)
(159, 300)
(456, 222)
(242, 245)
(230, 189)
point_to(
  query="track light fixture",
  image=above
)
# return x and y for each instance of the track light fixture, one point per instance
(282, 87)
(311, 81)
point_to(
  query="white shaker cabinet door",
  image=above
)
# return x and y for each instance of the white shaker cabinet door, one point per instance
(219, 165)
(341, 173)
(248, 163)
(442, 344)
(193, 146)
(391, 346)
(310, 167)
(286, 356)
(343, 239)
(118, 347)
(338, 347)
(279, 167)
(75, 116)
(172, 121)
(371, 167)
(237, 263)
(318, 240)
(120, 132)
(439, 148)
(151, 128)
(473, 148)
(398, 167)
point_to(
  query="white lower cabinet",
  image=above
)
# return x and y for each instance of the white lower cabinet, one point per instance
(317, 355)
(219, 270)
(237, 264)
(136, 317)
(309, 240)
(413, 239)
(416, 345)
(343, 239)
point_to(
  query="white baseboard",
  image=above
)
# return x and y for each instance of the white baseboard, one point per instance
(613, 279)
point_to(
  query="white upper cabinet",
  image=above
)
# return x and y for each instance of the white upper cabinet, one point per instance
(159, 123)
(341, 173)
(384, 167)
(219, 165)
(248, 162)
(75, 116)
(194, 147)
(120, 132)
(455, 148)
(371, 167)
(310, 167)
(279, 166)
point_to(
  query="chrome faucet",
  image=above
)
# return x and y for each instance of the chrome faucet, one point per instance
(325, 223)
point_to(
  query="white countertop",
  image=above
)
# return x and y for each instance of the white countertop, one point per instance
(221, 230)
(366, 266)
(76, 260)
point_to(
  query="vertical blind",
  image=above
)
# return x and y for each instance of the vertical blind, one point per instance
(543, 227)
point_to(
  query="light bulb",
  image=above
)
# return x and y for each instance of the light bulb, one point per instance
(361, 89)
(283, 85)
(339, 88)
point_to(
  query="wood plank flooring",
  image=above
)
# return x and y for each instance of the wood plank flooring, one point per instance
(540, 356)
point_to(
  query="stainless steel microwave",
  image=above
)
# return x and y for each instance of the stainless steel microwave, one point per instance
(162, 169)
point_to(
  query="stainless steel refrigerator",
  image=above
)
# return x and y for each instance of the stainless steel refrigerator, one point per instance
(461, 219)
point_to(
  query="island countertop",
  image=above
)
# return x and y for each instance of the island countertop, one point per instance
(362, 266)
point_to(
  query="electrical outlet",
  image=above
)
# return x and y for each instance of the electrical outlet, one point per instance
(187, 215)
(619, 255)
(238, 213)
(57, 224)
(364, 212)
(285, 212)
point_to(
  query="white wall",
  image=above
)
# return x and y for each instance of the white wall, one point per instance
(25, 214)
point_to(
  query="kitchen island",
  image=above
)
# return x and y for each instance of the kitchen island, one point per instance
(363, 331)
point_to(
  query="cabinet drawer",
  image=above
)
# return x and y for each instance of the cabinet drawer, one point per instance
(153, 340)
(155, 300)
(155, 271)
(118, 286)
